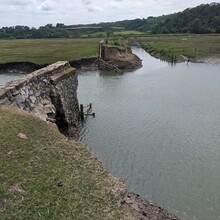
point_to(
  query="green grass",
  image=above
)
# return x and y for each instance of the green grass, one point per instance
(128, 33)
(115, 32)
(98, 34)
(45, 51)
(118, 42)
(47, 176)
(194, 46)
(82, 28)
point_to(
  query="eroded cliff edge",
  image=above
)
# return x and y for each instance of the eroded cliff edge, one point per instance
(123, 59)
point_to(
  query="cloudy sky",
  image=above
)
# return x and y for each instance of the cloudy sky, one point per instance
(34, 13)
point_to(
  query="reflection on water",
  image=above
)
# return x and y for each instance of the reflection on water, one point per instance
(8, 76)
(158, 129)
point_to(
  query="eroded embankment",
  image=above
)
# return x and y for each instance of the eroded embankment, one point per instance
(44, 175)
(25, 67)
(121, 59)
(172, 58)
(163, 55)
(113, 57)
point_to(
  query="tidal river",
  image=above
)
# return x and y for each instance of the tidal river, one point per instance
(7, 76)
(158, 128)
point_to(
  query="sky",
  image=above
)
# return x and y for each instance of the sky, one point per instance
(35, 13)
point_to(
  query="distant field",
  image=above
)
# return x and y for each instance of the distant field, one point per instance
(82, 28)
(97, 34)
(44, 51)
(194, 46)
(116, 32)
(128, 32)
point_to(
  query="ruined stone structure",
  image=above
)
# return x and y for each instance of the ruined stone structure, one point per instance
(121, 58)
(50, 92)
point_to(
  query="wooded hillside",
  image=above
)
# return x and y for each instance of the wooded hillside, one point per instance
(202, 19)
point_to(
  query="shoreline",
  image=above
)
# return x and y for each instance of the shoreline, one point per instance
(212, 59)
(89, 63)
(131, 203)
(144, 209)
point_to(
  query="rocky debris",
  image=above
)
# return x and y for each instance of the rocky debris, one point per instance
(208, 60)
(16, 188)
(22, 136)
(145, 210)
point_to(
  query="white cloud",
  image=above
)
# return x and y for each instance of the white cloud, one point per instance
(41, 12)
(86, 2)
(93, 8)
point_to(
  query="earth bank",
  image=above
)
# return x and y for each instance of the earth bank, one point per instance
(46, 175)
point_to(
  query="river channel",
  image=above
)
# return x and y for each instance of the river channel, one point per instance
(158, 128)
(9, 76)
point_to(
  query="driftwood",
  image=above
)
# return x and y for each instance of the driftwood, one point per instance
(107, 65)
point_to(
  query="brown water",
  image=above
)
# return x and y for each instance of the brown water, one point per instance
(158, 128)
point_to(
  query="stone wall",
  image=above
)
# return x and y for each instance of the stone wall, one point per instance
(50, 92)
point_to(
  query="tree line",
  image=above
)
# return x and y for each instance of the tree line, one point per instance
(202, 19)
(25, 32)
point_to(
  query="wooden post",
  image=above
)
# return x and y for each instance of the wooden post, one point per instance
(90, 105)
(172, 58)
(81, 112)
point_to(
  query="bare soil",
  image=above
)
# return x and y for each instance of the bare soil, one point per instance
(142, 209)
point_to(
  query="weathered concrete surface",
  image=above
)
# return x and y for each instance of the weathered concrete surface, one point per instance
(50, 92)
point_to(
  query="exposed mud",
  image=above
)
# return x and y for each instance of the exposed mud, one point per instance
(25, 67)
(142, 209)
(121, 58)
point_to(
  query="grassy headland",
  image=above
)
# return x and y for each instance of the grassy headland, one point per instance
(194, 47)
(45, 51)
(46, 176)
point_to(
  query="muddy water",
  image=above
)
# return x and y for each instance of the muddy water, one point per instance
(158, 128)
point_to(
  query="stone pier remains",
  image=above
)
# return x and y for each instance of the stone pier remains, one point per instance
(50, 92)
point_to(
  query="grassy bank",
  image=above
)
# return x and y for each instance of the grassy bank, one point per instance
(192, 46)
(45, 51)
(46, 176)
